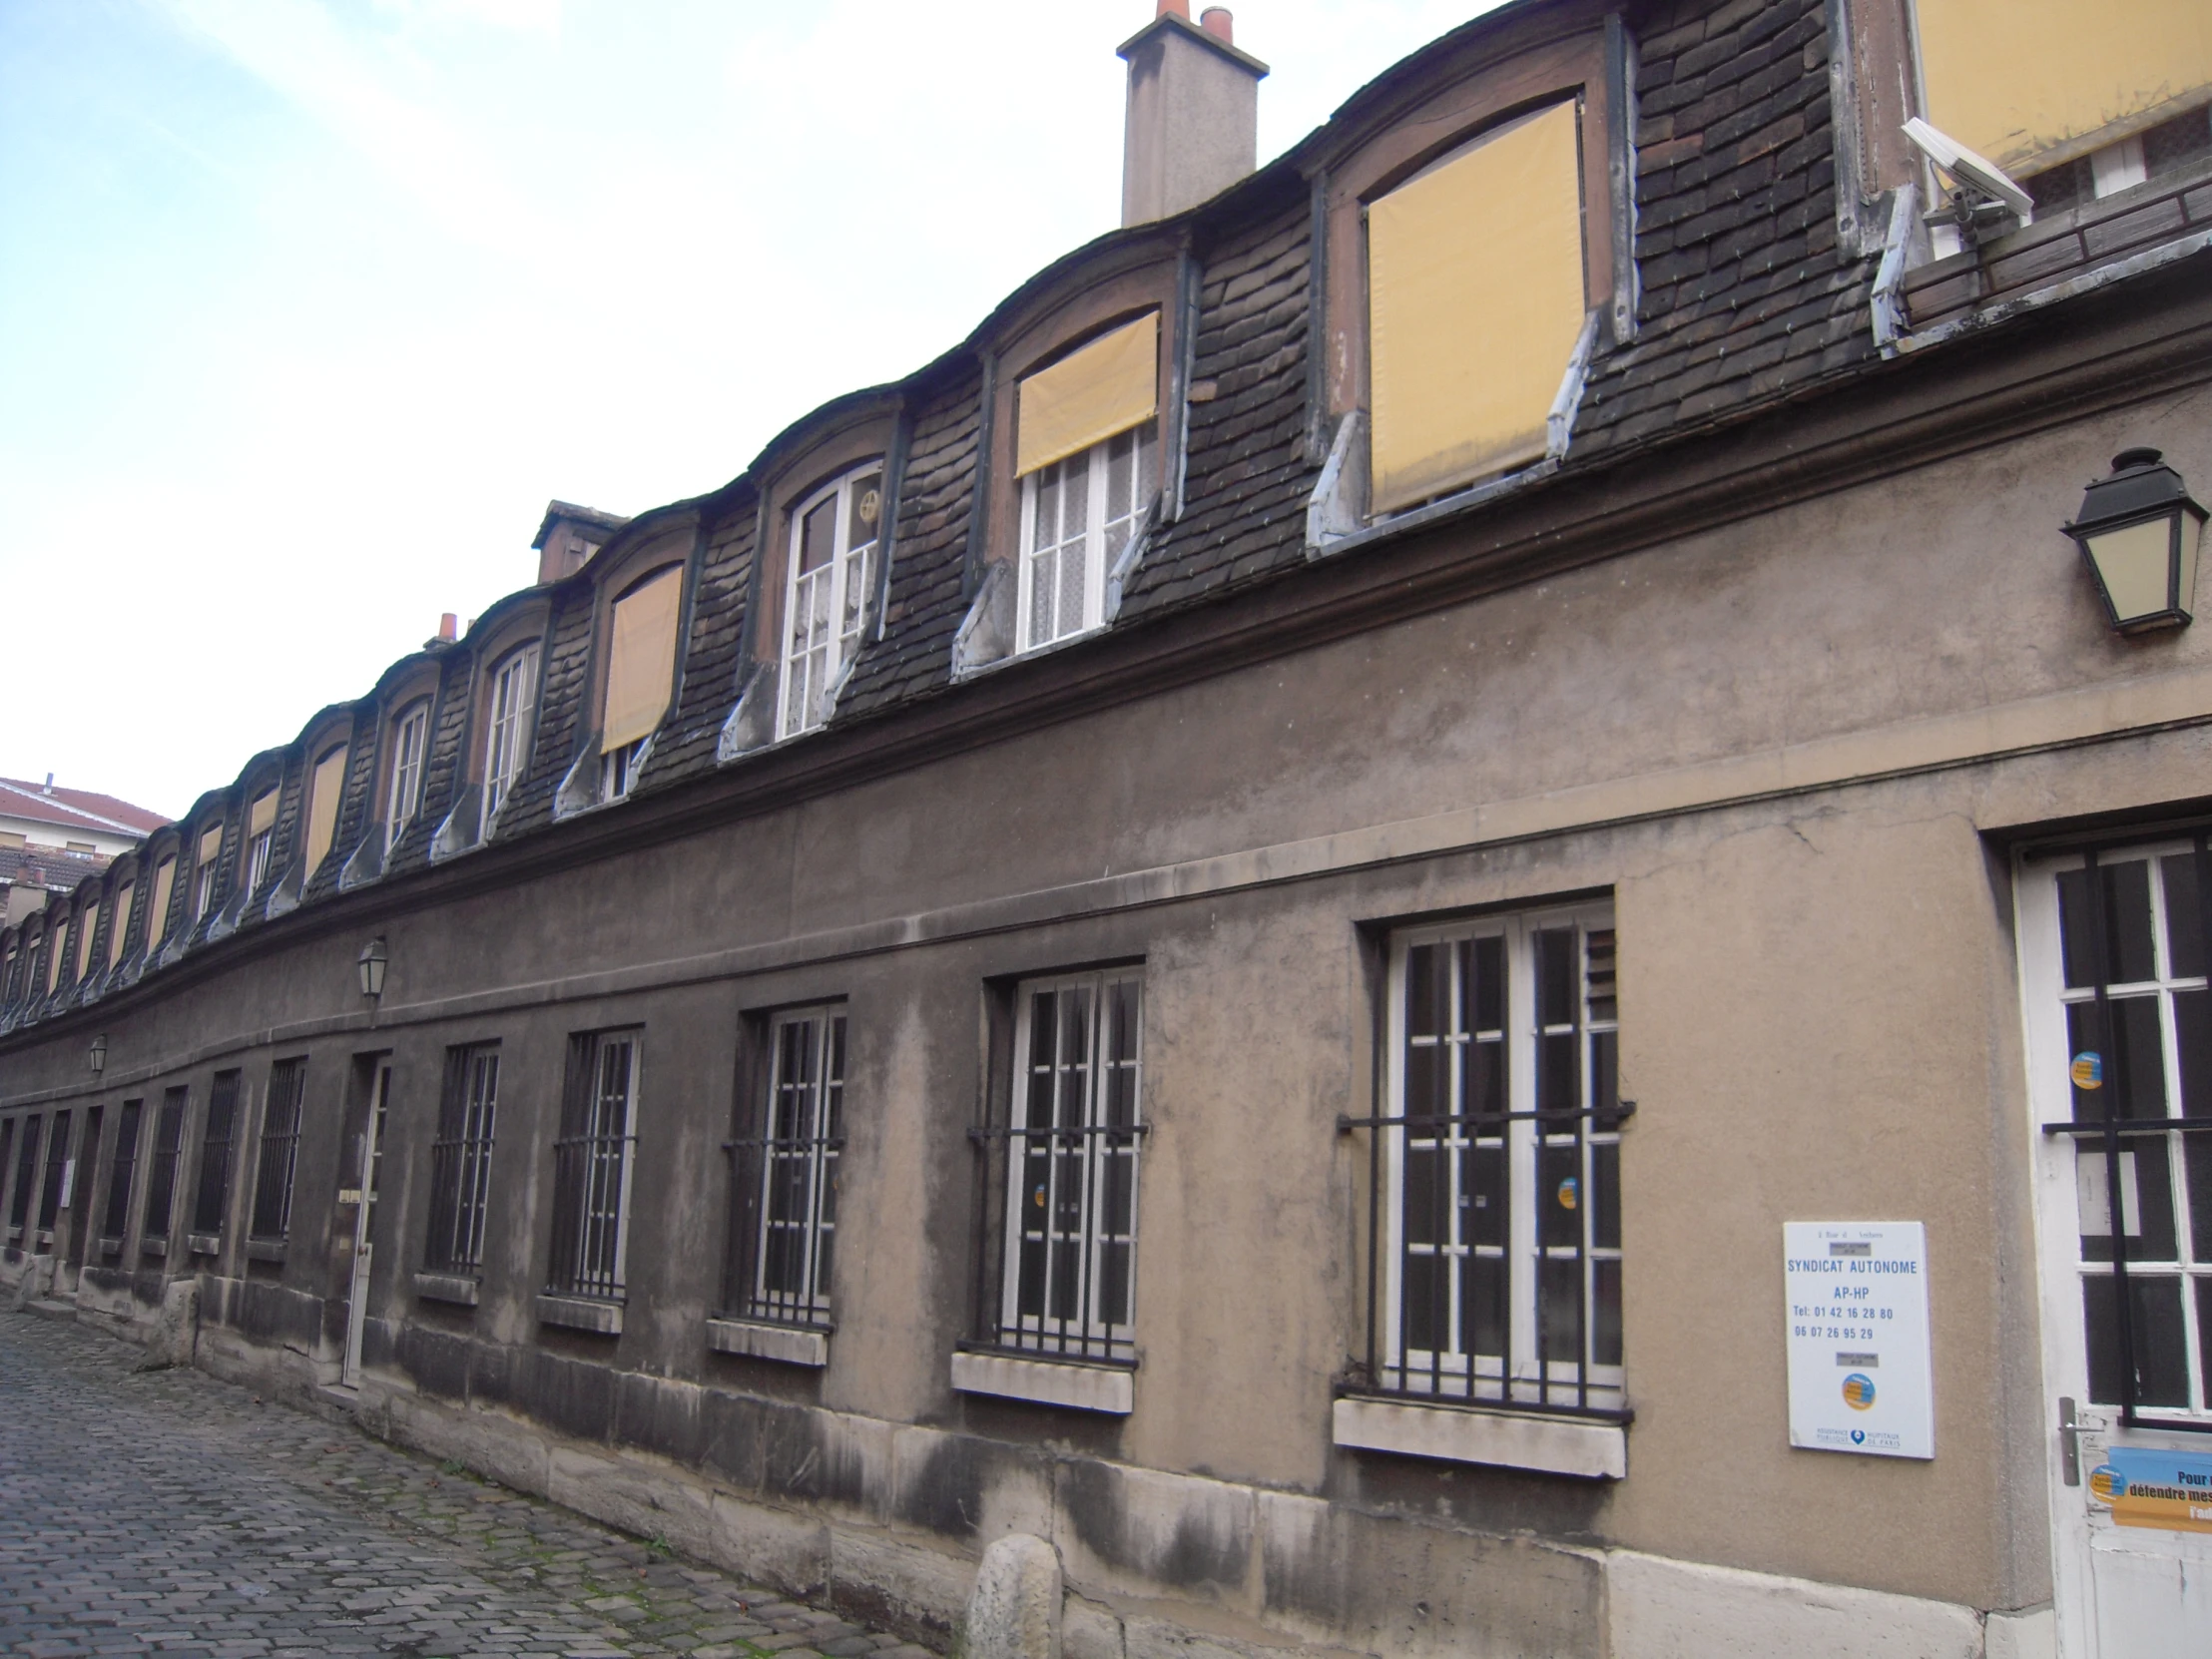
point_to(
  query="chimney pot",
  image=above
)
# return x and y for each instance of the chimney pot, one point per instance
(49, 790)
(1173, 8)
(449, 626)
(1217, 22)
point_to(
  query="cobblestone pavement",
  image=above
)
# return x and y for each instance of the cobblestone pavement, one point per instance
(166, 1512)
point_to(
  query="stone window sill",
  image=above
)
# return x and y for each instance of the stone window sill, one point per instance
(758, 1341)
(1468, 1435)
(157, 1246)
(460, 1288)
(264, 1249)
(204, 1244)
(1108, 1388)
(580, 1312)
(111, 1247)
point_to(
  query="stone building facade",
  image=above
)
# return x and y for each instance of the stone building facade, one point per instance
(1226, 928)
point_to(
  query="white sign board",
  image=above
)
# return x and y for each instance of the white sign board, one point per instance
(1857, 1300)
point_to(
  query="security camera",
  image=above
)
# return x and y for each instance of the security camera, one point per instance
(1981, 193)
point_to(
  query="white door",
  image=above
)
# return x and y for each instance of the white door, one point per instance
(365, 1213)
(2113, 943)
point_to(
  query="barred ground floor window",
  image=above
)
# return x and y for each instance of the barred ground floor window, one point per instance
(460, 1159)
(161, 1181)
(592, 1162)
(1064, 1244)
(784, 1218)
(1495, 1167)
(280, 1151)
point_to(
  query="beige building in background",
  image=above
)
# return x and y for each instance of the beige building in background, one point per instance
(1226, 929)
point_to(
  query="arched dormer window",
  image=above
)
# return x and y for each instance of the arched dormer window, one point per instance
(511, 722)
(118, 918)
(834, 535)
(641, 676)
(88, 925)
(157, 908)
(203, 868)
(261, 837)
(1087, 457)
(409, 742)
(325, 787)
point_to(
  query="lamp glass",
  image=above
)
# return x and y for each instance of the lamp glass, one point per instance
(2134, 565)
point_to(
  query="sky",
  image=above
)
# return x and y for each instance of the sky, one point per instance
(308, 306)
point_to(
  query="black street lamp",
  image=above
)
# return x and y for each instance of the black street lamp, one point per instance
(99, 1055)
(371, 966)
(2139, 532)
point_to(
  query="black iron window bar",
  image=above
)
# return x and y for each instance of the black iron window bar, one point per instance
(783, 1182)
(280, 1152)
(56, 1161)
(588, 1164)
(215, 1155)
(26, 1173)
(1043, 1335)
(460, 1160)
(2108, 1127)
(1454, 1379)
(7, 1146)
(161, 1186)
(122, 1170)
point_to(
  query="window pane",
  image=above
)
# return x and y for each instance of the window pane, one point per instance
(867, 510)
(1425, 1195)
(817, 536)
(2127, 950)
(1555, 976)
(1560, 1309)
(2133, 1075)
(1486, 1324)
(2161, 1366)
(1605, 1195)
(1558, 1197)
(1072, 580)
(1423, 999)
(1605, 1324)
(1484, 1200)
(2185, 921)
(2146, 1201)
(1423, 1303)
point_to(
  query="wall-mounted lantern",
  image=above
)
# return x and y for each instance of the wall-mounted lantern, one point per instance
(99, 1055)
(2139, 533)
(371, 964)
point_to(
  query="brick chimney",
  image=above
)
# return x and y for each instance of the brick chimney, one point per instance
(1194, 113)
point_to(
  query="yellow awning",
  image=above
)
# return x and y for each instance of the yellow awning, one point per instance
(640, 660)
(1108, 386)
(2019, 79)
(1474, 302)
(323, 789)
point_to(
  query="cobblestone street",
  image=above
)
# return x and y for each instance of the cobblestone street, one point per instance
(166, 1512)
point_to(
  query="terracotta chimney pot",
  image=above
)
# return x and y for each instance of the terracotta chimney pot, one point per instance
(1216, 21)
(449, 626)
(1173, 8)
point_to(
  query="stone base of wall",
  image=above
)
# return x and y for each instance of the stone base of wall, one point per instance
(886, 1523)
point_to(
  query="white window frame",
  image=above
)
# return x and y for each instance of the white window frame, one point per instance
(411, 733)
(804, 1143)
(1444, 1375)
(810, 664)
(1087, 1333)
(2074, 1208)
(1100, 543)
(257, 864)
(618, 770)
(202, 885)
(507, 732)
(591, 1216)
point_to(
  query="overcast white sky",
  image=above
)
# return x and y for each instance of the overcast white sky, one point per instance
(306, 308)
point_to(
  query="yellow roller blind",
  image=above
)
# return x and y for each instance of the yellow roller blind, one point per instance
(87, 926)
(2013, 79)
(211, 843)
(1474, 302)
(119, 928)
(1110, 385)
(323, 806)
(157, 915)
(264, 814)
(641, 661)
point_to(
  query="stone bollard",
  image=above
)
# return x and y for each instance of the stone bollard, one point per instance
(1014, 1610)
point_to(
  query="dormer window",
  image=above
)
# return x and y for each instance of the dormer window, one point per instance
(641, 677)
(514, 697)
(409, 736)
(1474, 304)
(87, 923)
(157, 913)
(120, 927)
(324, 785)
(261, 837)
(1086, 456)
(834, 535)
(203, 871)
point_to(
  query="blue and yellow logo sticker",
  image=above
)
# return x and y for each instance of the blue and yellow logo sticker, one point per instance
(2107, 1484)
(2088, 1070)
(1859, 1392)
(1570, 1192)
